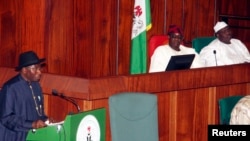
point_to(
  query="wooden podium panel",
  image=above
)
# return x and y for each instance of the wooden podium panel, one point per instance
(187, 99)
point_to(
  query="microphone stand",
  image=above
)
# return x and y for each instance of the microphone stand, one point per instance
(55, 93)
(215, 57)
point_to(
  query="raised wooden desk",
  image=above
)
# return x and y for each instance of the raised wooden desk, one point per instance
(187, 100)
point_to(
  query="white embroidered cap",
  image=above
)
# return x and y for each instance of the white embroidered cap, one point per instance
(219, 26)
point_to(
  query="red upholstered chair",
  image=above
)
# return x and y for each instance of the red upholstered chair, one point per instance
(156, 41)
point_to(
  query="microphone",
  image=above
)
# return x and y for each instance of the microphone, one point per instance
(215, 57)
(55, 93)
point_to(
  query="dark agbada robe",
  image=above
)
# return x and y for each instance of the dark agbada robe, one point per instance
(17, 108)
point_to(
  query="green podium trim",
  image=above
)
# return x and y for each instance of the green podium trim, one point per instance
(84, 126)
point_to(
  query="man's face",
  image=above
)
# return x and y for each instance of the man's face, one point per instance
(32, 72)
(225, 35)
(175, 40)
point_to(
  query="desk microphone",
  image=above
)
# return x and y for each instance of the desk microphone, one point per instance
(215, 57)
(55, 93)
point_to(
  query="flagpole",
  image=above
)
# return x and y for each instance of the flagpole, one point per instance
(117, 37)
(165, 17)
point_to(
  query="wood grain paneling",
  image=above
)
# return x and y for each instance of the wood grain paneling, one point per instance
(90, 39)
(240, 23)
(87, 48)
(187, 99)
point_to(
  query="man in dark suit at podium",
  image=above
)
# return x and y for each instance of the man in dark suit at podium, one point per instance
(21, 100)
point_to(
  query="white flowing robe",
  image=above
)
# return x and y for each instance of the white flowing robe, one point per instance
(240, 114)
(218, 53)
(162, 54)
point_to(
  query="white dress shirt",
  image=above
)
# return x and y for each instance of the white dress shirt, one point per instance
(162, 54)
(218, 53)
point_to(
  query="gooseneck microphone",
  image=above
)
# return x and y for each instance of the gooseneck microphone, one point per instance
(215, 57)
(61, 95)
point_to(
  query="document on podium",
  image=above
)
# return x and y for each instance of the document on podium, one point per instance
(55, 123)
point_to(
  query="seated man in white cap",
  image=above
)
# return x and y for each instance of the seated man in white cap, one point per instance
(224, 50)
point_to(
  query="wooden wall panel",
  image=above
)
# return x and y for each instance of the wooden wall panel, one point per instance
(59, 36)
(9, 32)
(187, 101)
(240, 20)
(124, 27)
(83, 37)
(89, 38)
(104, 37)
(158, 18)
(234, 7)
(92, 39)
(201, 19)
(184, 114)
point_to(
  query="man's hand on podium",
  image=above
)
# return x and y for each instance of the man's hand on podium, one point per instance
(38, 124)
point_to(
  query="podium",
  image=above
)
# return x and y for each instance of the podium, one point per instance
(84, 126)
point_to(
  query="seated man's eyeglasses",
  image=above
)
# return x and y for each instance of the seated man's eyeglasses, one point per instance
(173, 36)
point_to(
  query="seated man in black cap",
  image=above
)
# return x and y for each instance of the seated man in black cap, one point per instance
(21, 100)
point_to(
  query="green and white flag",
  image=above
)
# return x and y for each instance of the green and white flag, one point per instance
(141, 24)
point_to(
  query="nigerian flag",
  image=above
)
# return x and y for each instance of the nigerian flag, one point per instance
(141, 24)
